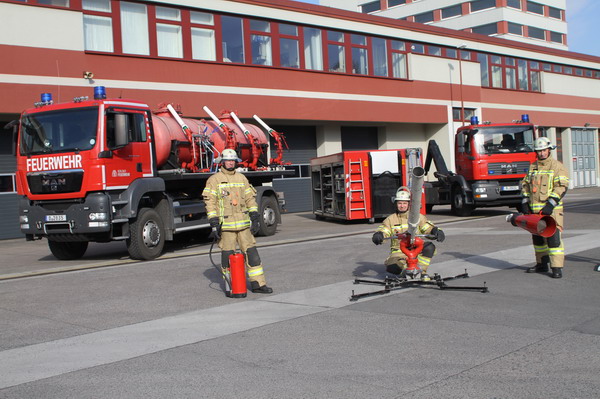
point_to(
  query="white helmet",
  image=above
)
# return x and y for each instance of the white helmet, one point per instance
(228, 155)
(542, 143)
(403, 194)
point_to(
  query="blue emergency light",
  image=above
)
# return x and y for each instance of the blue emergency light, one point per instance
(474, 120)
(46, 97)
(99, 93)
(525, 118)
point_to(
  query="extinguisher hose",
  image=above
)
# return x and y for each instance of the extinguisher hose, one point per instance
(219, 268)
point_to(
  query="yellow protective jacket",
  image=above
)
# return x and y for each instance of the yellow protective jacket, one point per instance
(229, 196)
(546, 179)
(398, 223)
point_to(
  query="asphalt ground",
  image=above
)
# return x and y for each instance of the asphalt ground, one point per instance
(109, 327)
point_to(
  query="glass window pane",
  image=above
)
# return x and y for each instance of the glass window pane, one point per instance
(335, 36)
(509, 61)
(496, 59)
(424, 17)
(360, 64)
(451, 11)
(392, 3)
(203, 44)
(289, 53)
(134, 28)
(488, 29)
(371, 7)
(568, 70)
(536, 82)
(358, 39)
(168, 39)
(397, 45)
(261, 50)
(337, 58)
(451, 53)
(534, 7)
(97, 33)
(399, 68)
(483, 66)
(261, 26)
(285, 29)
(233, 43)
(202, 18)
(536, 33)
(60, 3)
(496, 76)
(418, 48)
(313, 49)
(557, 68)
(171, 14)
(515, 29)
(96, 5)
(482, 5)
(556, 37)
(514, 4)
(523, 78)
(379, 57)
(434, 50)
(511, 79)
(554, 12)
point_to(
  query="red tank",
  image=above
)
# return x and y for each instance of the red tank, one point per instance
(168, 131)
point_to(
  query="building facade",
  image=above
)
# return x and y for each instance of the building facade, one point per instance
(330, 79)
(540, 22)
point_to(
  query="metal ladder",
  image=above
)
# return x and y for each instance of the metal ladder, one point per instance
(356, 176)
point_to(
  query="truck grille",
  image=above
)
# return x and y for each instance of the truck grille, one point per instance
(508, 168)
(55, 183)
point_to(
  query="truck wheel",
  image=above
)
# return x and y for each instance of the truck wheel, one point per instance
(459, 208)
(146, 235)
(269, 213)
(67, 250)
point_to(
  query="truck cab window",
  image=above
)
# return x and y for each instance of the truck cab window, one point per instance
(136, 127)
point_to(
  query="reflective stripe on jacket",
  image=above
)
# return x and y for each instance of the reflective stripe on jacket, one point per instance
(546, 179)
(398, 223)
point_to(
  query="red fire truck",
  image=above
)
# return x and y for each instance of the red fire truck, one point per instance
(109, 169)
(491, 160)
(353, 185)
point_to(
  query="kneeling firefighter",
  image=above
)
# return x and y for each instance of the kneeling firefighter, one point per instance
(397, 223)
(233, 216)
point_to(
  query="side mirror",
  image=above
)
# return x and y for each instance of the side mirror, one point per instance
(460, 142)
(14, 126)
(121, 130)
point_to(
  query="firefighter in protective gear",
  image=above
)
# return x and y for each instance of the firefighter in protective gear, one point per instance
(544, 187)
(233, 215)
(398, 223)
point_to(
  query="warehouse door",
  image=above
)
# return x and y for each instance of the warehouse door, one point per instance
(584, 157)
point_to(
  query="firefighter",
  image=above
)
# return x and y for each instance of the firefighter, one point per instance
(398, 223)
(544, 187)
(233, 216)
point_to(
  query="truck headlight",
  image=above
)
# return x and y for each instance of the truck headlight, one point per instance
(98, 216)
(480, 190)
(24, 219)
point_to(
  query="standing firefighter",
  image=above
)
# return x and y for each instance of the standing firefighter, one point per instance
(233, 215)
(543, 189)
(398, 223)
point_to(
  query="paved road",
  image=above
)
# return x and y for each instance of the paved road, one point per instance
(164, 329)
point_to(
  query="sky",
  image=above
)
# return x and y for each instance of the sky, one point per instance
(582, 20)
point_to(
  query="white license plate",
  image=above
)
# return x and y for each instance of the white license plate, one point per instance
(56, 218)
(510, 188)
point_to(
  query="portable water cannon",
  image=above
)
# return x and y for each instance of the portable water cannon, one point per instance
(541, 225)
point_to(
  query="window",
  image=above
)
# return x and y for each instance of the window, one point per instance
(371, 7)
(399, 65)
(7, 184)
(536, 33)
(479, 5)
(134, 28)
(168, 36)
(523, 76)
(313, 49)
(484, 67)
(59, 3)
(515, 29)
(393, 3)
(424, 17)
(434, 50)
(336, 53)
(417, 48)
(554, 12)
(261, 42)
(97, 33)
(488, 29)
(452, 11)
(496, 62)
(203, 38)
(510, 73)
(557, 68)
(360, 63)
(233, 39)
(451, 53)
(96, 5)
(556, 37)
(535, 8)
(289, 50)
(380, 64)
(456, 111)
(514, 4)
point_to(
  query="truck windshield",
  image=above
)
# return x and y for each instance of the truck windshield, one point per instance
(58, 131)
(503, 139)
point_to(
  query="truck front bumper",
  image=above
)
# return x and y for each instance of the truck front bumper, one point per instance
(491, 193)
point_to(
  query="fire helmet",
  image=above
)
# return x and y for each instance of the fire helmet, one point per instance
(228, 155)
(403, 194)
(541, 143)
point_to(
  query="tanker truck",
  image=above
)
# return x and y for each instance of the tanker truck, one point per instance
(101, 170)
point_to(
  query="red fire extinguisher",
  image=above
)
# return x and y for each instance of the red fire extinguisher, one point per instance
(237, 275)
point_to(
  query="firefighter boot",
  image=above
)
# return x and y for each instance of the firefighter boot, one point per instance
(541, 267)
(258, 289)
(557, 272)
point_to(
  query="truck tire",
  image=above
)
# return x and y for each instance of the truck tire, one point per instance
(459, 207)
(67, 250)
(269, 214)
(146, 235)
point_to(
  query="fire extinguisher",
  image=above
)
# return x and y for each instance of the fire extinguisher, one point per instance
(237, 275)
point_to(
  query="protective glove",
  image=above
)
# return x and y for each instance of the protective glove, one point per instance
(439, 234)
(524, 207)
(377, 238)
(215, 234)
(255, 220)
(549, 207)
